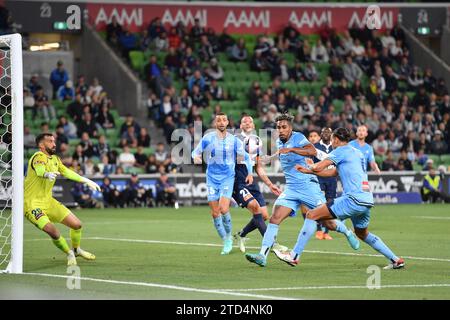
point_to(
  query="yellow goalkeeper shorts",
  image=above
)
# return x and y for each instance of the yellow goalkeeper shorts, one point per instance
(40, 212)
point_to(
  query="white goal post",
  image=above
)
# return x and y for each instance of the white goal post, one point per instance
(11, 154)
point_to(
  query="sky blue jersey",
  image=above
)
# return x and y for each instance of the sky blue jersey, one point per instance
(221, 155)
(350, 164)
(367, 151)
(289, 160)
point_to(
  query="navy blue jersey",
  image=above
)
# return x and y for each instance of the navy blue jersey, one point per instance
(322, 153)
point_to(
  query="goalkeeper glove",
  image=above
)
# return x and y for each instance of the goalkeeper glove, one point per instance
(91, 184)
(51, 175)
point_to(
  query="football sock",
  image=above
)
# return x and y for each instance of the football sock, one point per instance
(248, 228)
(226, 219)
(378, 244)
(219, 227)
(75, 237)
(341, 227)
(308, 229)
(61, 244)
(260, 224)
(269, 238)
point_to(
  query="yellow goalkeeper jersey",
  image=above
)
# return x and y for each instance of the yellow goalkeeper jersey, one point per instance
(36, 186)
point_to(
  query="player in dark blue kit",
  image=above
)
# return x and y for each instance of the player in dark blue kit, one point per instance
(248, 195)
(327, 184)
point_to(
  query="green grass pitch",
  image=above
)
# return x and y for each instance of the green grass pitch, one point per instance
(175, 254)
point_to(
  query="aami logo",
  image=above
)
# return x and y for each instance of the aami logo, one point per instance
(408, 182)
(187, 17)
(310, 19)
(386, 19)
(249, 19)
(124, 17)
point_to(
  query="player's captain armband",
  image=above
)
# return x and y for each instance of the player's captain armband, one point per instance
(365, 186)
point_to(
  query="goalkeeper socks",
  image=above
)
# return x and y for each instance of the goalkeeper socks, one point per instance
(378, 244)
(341, 227)
(259, 222)
(269, 238)
(75, 237)
(308, 229)
(248, 228)
(218, 224)
(226, 219)
(61, 244)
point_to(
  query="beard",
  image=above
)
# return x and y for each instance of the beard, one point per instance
(51, 151)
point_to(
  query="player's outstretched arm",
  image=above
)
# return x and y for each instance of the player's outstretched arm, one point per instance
(308, 150)
(72, 175)
(38, 165)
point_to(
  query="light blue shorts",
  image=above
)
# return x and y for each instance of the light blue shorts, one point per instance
(311, 197)
(344, 208)
(217, 191)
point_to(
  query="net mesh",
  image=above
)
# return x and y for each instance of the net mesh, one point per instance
(5, 153)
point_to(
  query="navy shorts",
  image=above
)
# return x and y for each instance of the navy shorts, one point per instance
(329, 189)
(243, 194)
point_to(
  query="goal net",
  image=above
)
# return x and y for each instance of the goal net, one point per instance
(11, 154)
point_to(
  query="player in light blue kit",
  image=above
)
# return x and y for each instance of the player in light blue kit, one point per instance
(365, 148)
(355, 202)
(222, 149)
(301, 189)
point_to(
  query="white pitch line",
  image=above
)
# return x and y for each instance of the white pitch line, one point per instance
(432, 285)
(219, 245)
(432, 218)
(164, 286)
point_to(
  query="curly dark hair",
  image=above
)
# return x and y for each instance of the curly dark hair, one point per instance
(285, 117)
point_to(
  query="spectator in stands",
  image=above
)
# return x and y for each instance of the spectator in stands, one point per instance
(126, 159)
(81, 86)
(197, 30)
(296, 73)
(169, 127)
(319, 53)
(102, 147)
(66, 92)
(152, 166)
(336, 73)
(238, 52)
(33, 84)
(70, 130)
(184, 73)
(215, 92)
(174, 38)
(394, 142)
(214, 71)
(206, 50)
(75, 108)
(152, 71)
(105, 167)
(79, 155)
(112, 197)
(29, 139)
(129, 138)
(403, 162)
(198, 98)
(432, 188)
(166, 193)
(113, 31)
(141, 158)
(352, 71)
(155, 28)
(172, 61)
(58, 77)
(143, 138)
(257, 62)
(136, 194)
(88, 146)
(225, 41)
(161, 43)
(87, 125)
(415, 79)
(43, 105)
(88, 167)
(83, 195)
(438, 145)
(104, 118)
(441, 88)
(281, 71)
(163, 82)
(160, 154)
(380, 145)
(60, 136)
(184, 100)
(196, 80)
(129, 121)
(310, 72)
(388, 163)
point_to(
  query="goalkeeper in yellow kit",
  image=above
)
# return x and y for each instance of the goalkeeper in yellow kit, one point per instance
(42, 209)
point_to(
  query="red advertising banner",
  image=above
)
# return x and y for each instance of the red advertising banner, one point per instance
(237, 18)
